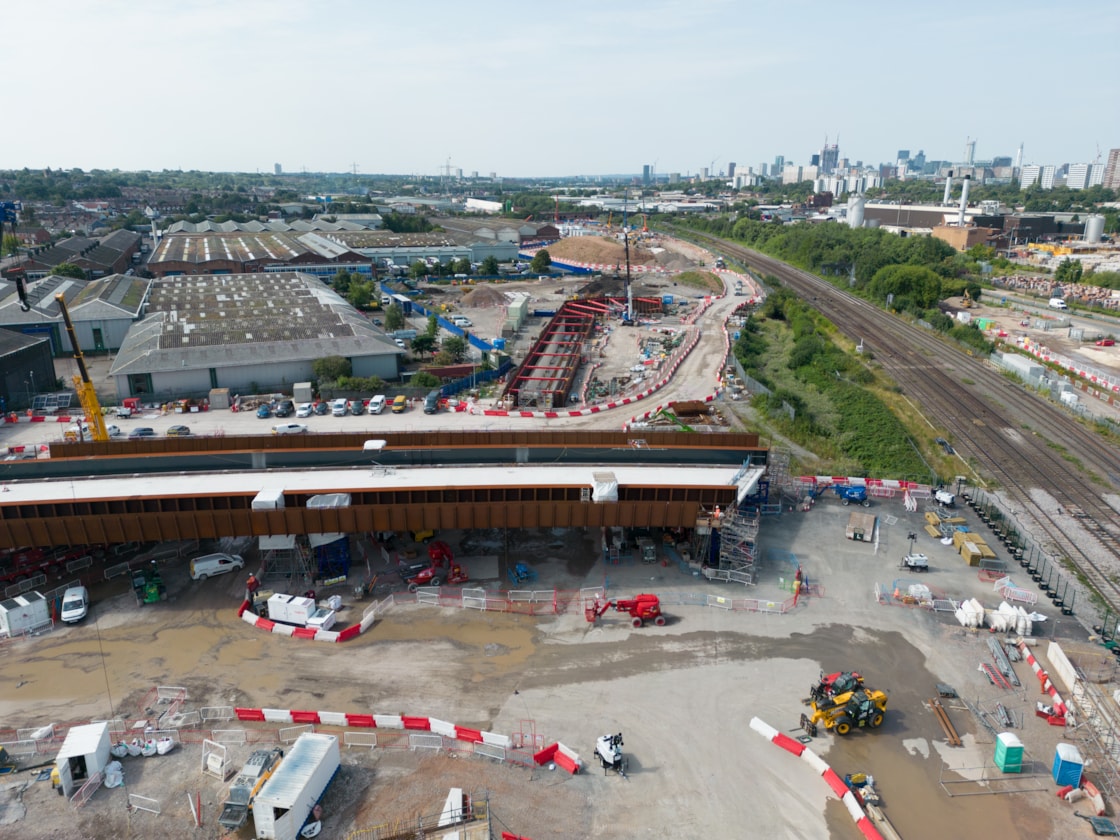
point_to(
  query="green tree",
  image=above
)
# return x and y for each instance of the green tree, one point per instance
(342, 280)
(542, 262)
(433, 326)
(461, 266)
(424, 344)
(69, 270)
(426, 380)
(360, 294)
(489, 266)
(331, 368)
(394, 317)
(10, 245)
(455, 347)
(911, 285)
(418, 270)
(1068, 272)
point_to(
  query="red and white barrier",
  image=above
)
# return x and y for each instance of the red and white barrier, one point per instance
(862, 821)
(561, 755)
(1060, 707)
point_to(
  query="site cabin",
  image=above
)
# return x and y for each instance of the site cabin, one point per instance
(84, 754)
(861, 527)
(24, 613)
(283, 805)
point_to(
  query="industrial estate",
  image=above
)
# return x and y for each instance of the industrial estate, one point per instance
(781, 496)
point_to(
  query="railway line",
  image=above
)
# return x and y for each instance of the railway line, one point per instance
(1018, 441)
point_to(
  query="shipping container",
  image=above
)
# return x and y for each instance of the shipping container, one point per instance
(282, 806)
(291, 609)
(23, 614)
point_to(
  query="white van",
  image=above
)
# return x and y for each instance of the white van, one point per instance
(461, 321)
(215, 564)
(75, 604)
(377, 404)
(386, 300)
(1058, 303)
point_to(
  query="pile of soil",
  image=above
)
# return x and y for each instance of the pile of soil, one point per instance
(484, 297)
(598, 249)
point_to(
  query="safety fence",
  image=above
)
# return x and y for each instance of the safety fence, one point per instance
(143, 803)
(81, 797)
(907, 593)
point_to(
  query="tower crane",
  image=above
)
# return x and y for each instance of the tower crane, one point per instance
(87, 396)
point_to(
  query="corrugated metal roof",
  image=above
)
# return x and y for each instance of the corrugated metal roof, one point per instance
(83, 740)
(297, 767)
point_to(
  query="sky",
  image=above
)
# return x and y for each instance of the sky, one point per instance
(527, 88)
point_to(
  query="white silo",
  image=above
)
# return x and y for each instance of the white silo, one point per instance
(1094, 229)
(855, 211)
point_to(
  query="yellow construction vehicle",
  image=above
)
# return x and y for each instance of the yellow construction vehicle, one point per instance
(82, 384)
(860, 708)
(966, 300)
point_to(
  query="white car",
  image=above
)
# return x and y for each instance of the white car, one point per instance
(289, 429)
(215, 564)
(339, 408)
(75, 604)
(377, 404)
(399, 342)
(304, 410)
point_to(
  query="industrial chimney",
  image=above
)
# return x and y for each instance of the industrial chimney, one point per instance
(964, 199)
(948, 188)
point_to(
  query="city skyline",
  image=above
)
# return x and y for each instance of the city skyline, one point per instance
(492, 87)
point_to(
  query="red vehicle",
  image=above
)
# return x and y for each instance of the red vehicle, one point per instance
(641, 608)
(831, 685)
(440, 553)
(430, 576)
(1106, 342)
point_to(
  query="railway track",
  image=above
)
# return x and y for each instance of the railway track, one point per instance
(1019, 441)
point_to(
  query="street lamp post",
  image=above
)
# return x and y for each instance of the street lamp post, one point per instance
(34, 390)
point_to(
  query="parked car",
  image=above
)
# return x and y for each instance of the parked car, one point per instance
(1106, 342)
(142, 432)
(339, 408)
(304, 410)
(215, 564)
(400, 404)
(431, 402)
(399, 342)
(179, 431)
(114, 430)
(285, 408)
(264, 412)
(75, 604)
(377, 404)
(322, 409)
(289, 429)
(357, 408)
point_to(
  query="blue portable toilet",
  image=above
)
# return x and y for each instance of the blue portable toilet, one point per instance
(499, 344)
(1067, 766)
(666, 300)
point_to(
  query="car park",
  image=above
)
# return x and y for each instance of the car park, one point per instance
(179, 431)
(339, 408)
(264, 412)
(142, 432)
(304, 410)
(215, 564)
(377, 404)
(289, 429)
(75, 604)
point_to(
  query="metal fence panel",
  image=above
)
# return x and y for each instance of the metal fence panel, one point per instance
(288, 734)
(229, 736)
(360, 739)
(425, 742)
(216, 713)
(143, 803)
(490, 751)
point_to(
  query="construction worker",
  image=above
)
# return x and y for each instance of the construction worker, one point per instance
(251, 587)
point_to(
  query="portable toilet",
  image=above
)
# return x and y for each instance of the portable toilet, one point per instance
(1009, 753)
(84, 754)
(1067, 766)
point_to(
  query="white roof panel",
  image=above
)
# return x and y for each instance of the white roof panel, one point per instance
(83, 740)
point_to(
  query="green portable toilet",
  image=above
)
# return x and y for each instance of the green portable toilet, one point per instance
(1009, 753)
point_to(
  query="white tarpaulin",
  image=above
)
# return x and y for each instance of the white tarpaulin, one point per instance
(604, 487)
(327, 500)
(278, 542)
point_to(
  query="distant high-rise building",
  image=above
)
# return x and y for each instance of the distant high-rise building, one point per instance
(918, 162)
(1046, 178)
(474, 174)
(1003, 160)
(843, 164)
(1112, 171)
(791, 174)
(969, 152)
(829, 157)
(277, 169)
(780, 164)
(674, 177)
(1096, 174)
(704, 174)
(458, 174)
(903, 154)
(645, 173)
(764, 169)
(1028, 176)
(731, 169)
(1077, 178)
(815, 160)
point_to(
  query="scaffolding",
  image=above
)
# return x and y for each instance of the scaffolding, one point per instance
(725, 545)
(293, 563)
(1098, 734)
(777, 471)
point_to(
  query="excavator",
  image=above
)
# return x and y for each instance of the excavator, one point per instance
(641, 608)
(87, 396)
(860, 708)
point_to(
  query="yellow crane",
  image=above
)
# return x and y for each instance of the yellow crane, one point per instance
(82, 384)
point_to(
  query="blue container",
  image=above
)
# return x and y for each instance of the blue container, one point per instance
(499, 343)
(1067, 766)
(667, 300)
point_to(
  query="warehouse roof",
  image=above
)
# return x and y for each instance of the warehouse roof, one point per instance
(224, 320)
(388, 239)
(263, 247)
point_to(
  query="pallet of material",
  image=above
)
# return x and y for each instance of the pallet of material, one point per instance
(932, 518)
(954, 520)
(933, 532)
(970, 552)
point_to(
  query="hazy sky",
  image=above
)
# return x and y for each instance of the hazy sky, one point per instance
(522, 87)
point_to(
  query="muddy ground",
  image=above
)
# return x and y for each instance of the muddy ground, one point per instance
(683, 696)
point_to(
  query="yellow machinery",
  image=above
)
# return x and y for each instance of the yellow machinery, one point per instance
(86, 394)
(966, 300)
(860, 708)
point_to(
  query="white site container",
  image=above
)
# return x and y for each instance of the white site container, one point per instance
(23, 614)
(84, 753)
(282, 806)
(291, 609)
